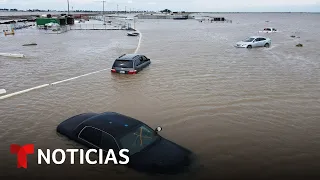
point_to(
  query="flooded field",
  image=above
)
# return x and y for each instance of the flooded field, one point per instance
(244, 113)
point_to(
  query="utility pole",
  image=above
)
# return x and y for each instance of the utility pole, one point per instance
(134, 23)
(125, 9)
(117, 9)
(103, 7)
(68, 7)
(104, 19)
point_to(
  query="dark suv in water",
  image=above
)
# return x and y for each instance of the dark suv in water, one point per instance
(130, 64)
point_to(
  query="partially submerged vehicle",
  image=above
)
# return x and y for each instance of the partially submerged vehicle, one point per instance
(30, 44)
(130, 64)
(181, 18)
(269, 30)
(254, 41)
(148, 151)
(3, 91)
(81, 21)
(133, 33)
(6, 32)
(52, 28)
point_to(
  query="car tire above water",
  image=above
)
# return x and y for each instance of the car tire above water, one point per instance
(249, 47)
(267, 45)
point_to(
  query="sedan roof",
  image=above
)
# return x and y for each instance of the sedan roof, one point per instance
(257, 37)
(129, 56)
(113, 123)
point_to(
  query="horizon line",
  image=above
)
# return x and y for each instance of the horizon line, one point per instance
(52, 10)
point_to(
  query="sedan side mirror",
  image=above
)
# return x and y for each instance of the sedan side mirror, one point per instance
(158, 129)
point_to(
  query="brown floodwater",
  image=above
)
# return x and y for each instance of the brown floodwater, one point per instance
(251, 114)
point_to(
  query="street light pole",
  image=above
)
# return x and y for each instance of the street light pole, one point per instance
(104, 20)
(103, 7)
(68, 7)
(134, 23)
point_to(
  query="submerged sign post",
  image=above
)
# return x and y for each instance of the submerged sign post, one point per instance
(51, 157)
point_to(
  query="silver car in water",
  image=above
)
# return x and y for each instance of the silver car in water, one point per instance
(254, 41)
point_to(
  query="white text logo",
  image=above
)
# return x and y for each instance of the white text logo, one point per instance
(59, 156)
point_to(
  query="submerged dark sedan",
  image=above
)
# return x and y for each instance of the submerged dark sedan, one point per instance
(130, 64)
(148, 151)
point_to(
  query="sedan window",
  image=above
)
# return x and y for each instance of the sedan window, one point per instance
(145, 58)
(137, 62)
(108, 142)
(91, 135)
(123, 64)
(249, 40)
(138, 139)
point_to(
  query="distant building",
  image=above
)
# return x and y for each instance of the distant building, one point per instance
(61, 20)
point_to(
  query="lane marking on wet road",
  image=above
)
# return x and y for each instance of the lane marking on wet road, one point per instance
(58, 82)
(23, 91)
(45, 85)
(12, 55)
(138, 47)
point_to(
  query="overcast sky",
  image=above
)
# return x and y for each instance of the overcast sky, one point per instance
(175, 5)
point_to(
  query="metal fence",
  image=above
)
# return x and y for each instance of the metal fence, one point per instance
(15, 26)
(114, 21)
(98, 27)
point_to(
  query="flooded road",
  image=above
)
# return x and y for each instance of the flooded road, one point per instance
(244, 113)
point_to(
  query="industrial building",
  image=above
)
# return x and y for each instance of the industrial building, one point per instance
(62, 20)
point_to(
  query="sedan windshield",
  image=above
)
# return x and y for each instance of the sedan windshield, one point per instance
(138, 139)
(248, 40)
(123, 64)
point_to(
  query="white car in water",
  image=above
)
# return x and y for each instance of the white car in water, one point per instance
(254, 41)
(269, 30)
